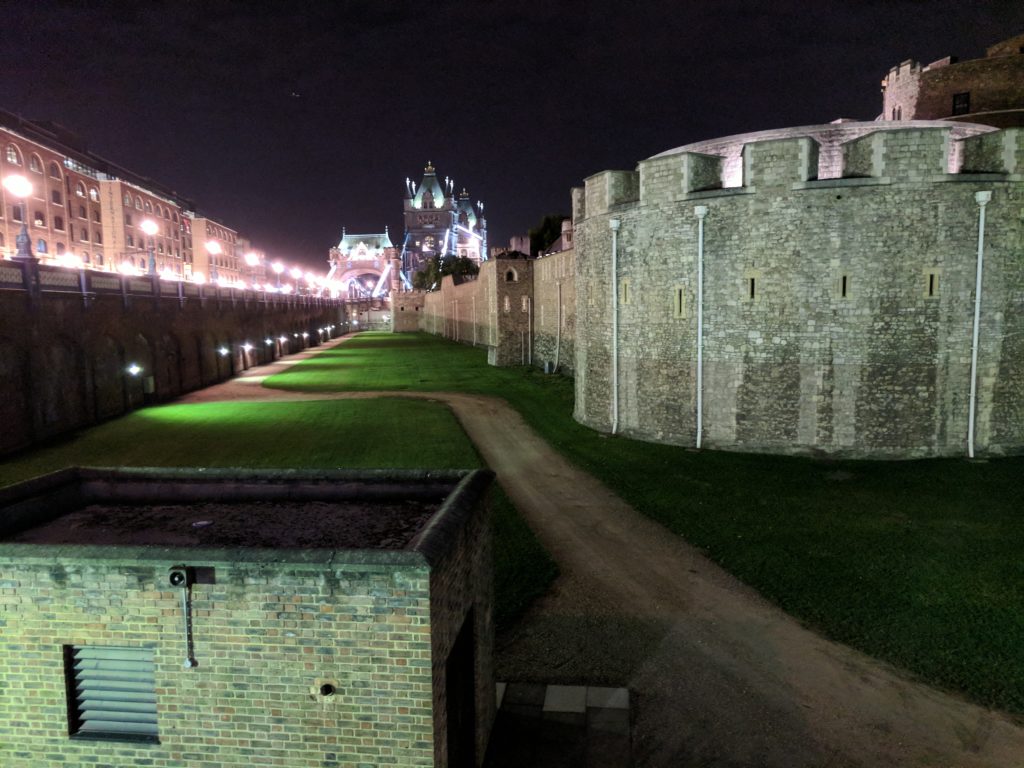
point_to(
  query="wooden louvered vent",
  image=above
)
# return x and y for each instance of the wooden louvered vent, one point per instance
(111, 693)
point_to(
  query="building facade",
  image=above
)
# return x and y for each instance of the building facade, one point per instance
(440, 223)
(215, 254)
(127, 211)
(367, 266)
(988, 90)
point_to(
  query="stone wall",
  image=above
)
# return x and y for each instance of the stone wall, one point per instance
(406, 311)
(496, 310)
(64, 354)
(554, 323)
(837, 312)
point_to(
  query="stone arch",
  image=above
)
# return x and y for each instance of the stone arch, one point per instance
(58, 387)
(207, 353)
(511, 276)
(140, 353)
(15, 407)
(108, 376)
(191, 365)
(168, 367)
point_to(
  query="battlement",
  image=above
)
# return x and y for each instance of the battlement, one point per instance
(1000, 152)
(911, 154)
(779, 161)
(610, 188)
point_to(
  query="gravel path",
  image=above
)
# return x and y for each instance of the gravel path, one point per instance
(719, 676)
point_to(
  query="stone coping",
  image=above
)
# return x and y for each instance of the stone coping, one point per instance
(45, 498)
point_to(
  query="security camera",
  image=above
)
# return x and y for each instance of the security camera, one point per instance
(180, 576)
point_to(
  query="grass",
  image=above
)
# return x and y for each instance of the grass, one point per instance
(914, 562)
(324, 434)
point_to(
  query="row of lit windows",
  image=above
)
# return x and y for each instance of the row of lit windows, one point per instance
(147, 206)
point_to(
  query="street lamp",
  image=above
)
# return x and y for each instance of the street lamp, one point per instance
(213, 248)
(149, 228)
(21, 188)
(278, 268)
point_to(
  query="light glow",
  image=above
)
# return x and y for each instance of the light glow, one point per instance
(134, 369)
(18, 185)
(278, 267)
(223, 351)
(198, 277)
(213, 247)
(252, 258)
(149, 227)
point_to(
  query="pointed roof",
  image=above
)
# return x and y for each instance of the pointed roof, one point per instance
(429, 184)
(465, 206)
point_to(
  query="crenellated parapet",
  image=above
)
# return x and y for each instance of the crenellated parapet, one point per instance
(838, 276)
(1000, 152)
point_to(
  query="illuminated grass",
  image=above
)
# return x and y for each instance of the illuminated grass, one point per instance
(915, 562)
(326, 434)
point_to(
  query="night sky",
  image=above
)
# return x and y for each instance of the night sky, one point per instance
(288, 121)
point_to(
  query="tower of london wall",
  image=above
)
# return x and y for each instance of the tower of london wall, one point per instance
(837, 306)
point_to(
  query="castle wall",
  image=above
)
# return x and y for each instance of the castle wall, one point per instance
(554, 323)
(837, 313)
(995, 86)
(406, 311)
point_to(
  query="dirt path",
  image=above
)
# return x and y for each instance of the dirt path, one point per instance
(719, 676)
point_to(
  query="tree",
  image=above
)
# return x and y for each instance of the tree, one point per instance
(545, 233)
(435, 268)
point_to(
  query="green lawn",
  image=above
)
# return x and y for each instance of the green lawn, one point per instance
(915, 562)
(310, 434)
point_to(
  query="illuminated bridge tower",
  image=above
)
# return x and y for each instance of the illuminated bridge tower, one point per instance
(439, 223)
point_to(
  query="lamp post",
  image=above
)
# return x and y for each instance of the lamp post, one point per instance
(21, 188)
(149, 228)
(213, 248)
(278, 268)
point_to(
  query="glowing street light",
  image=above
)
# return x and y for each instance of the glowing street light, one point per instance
(252, 258)
(278, 268)
(134, 369)
(149, 227)
(21, 188)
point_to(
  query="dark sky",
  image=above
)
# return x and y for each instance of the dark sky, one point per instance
(291, 120)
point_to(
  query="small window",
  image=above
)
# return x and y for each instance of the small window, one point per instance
(843, 286)
(753, 285)
(894, 113)
(56, 197)
(507, 305)
(899, 113)
(625, 292)
(40, 246)
(39, 218)
(111, 692)
(679, 302)
(127, 219)
(81, 212)
(80, 189)
(60, 249)
(58, 223)
(127, 200)
(96, 216)
(16, 213)
(511, 277)
(97, 237)
(129, 241)
(962, 103)
(13, 155)
(35, 163)
(94, 194)
(525, 303)
(54, 171)
(932, 282)
(83, 234)
(148, 206)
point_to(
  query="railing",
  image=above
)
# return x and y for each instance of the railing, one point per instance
(36, 278)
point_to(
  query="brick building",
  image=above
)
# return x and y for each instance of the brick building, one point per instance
(988, 91)
(215, 253)
(141, 626)
(127, 210)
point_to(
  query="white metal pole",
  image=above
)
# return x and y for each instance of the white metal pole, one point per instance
(700, 211)
(982, 199)
(614, 224)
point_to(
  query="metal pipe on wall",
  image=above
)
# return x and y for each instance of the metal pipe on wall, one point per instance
(614, 225)
(982, 199)
(700, 212)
